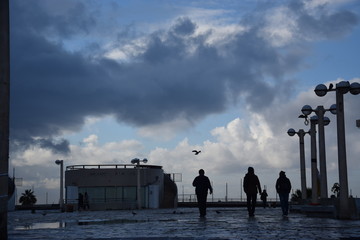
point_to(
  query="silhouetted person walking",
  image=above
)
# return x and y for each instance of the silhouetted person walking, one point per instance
(86, 201)
(202, 185)
(283, 187)
(80, 202)
(251, 188)
(264, 198)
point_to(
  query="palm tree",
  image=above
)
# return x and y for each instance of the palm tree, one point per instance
(296, 197)
(336, 189)
(27, 198)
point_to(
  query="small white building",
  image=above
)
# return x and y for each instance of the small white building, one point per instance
(116, 186)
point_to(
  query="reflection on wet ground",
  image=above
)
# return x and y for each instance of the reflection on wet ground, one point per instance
(61, 224)
(48, 225)
(227, 223)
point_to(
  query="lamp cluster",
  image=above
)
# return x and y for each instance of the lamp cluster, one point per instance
(343, 87)
(321, 90)
(137, 161)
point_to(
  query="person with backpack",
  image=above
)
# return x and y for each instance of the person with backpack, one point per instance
(263, 197)
(202, 186)
(251, 188)
(283, 187)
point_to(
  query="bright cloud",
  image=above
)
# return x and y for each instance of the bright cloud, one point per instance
(166, 77)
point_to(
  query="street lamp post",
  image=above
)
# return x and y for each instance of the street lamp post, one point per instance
(341, 88)
(301, 133)
(4, 114)
(61, 201)
(322, 153)
(314, 171)
(137, 162)
(322, 122)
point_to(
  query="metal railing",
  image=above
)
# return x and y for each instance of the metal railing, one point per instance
(210, 198)
(109, 166)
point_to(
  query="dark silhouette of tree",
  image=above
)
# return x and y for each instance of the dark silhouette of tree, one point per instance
(296, 197)
(27, 198)
(336, 189)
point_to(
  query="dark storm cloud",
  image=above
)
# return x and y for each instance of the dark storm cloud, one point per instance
(184, 26)
(61, 146)
(179, 75)
(324, 25)
(39, 18)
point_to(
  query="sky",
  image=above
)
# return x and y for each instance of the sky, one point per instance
(103, 82)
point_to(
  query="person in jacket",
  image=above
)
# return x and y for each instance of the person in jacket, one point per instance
(283, 188)
(86, 201)
(202, 185)
(251, 187)
(263, 197)
(80, 202)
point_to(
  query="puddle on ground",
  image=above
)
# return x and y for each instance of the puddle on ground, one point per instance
(50, 225)
(54, 225)
(107, 221)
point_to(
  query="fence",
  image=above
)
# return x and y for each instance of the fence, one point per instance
(192, 198)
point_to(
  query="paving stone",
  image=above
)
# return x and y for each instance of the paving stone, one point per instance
(181, 224)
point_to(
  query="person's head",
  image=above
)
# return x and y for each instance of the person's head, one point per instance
(282, 174)
(251, 170)
(201, 172)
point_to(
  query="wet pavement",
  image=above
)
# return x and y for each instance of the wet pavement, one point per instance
(181, 224)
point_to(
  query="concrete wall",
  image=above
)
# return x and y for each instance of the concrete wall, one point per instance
(113, 177)
(120, 176)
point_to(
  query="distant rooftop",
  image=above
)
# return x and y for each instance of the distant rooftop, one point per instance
(109, 166)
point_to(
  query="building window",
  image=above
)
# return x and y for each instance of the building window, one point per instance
(111, 194)
(95, 194)
(129, 193)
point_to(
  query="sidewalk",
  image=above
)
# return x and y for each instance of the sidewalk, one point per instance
(181, 224)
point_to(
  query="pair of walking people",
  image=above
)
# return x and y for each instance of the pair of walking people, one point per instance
(251, 187)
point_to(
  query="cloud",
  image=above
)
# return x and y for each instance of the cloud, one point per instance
(257, 139)
(172, 77)
(306, 21)
(37, 169)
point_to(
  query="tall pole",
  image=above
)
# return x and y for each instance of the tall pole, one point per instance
(183, 194)
(343, 179)
(4, 114)
(138, 186)
(226, 190)
(61, 200)
(241, 186)
(62, 185)
(322, 153)
(301, 133)
(137, 162)
(341, 88)
(314, 181)
(212, 195)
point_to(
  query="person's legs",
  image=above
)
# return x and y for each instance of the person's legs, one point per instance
(253, 203)
(281, 202)
(248, 204)
(284, 202)
(202, 204)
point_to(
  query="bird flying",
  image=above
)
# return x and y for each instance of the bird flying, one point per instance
(196, 152)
